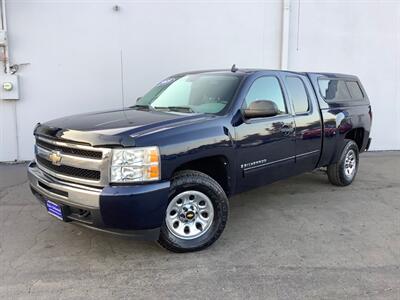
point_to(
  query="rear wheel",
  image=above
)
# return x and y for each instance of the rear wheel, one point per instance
(196, 214)
(344, 171)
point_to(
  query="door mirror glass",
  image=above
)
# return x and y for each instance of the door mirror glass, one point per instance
(261, 109)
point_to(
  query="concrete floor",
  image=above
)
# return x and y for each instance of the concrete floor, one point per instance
(297, 239)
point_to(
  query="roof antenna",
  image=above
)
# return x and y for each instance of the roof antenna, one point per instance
(234, 68)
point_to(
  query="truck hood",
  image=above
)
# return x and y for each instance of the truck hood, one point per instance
(112, 128)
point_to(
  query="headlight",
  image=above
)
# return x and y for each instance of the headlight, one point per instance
(135, 164)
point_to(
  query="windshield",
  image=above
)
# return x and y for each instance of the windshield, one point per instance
(195, 93)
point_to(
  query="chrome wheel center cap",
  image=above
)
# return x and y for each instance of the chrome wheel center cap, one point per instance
(188, 213)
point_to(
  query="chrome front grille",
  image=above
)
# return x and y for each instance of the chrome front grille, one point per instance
(73, 162)
(68, 170)
(67, 150)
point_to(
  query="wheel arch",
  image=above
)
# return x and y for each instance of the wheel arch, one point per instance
(217, 167)
(357, 135)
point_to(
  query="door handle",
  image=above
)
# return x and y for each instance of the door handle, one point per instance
(287, 129)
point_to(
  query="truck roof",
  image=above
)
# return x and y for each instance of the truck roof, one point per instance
(255, 70)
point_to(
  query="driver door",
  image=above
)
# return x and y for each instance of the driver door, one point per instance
(265, 145)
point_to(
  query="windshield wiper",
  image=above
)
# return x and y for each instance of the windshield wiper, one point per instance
(140, 106)
(176, 108)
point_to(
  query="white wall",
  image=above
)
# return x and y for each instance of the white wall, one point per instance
(355, 37)
(84, 56)
(75, 50)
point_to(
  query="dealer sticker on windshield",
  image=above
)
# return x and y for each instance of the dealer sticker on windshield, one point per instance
(166, 81)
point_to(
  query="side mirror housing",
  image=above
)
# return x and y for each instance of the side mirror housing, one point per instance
(261, 109)
(138, 98)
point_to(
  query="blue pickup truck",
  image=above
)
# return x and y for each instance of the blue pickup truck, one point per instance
(164, 168)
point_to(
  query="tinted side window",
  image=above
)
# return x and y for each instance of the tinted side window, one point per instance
(334, 89)
(354, 89)
(266, 88)
(297, 94)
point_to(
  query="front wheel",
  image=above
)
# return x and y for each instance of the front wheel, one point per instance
(344, 171)
(196, 214)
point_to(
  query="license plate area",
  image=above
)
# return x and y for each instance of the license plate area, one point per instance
(56, 210)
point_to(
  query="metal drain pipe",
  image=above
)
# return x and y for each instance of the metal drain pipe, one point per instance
(285, 34)
(4, 28)
(8, 105)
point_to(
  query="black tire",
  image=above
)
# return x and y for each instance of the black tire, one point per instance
(193, 180)
(337, 172)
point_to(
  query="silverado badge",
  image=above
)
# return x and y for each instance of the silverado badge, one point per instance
(55, 158)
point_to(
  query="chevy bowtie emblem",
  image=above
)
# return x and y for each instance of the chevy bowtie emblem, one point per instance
(190, 215)
(55, 158)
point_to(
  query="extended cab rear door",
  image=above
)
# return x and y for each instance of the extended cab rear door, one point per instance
(307, 120)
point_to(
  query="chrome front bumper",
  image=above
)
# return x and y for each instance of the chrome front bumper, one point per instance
(64, 192)
(83, 204)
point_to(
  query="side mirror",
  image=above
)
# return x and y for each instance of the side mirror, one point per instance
(261, 109)
(138, 98)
